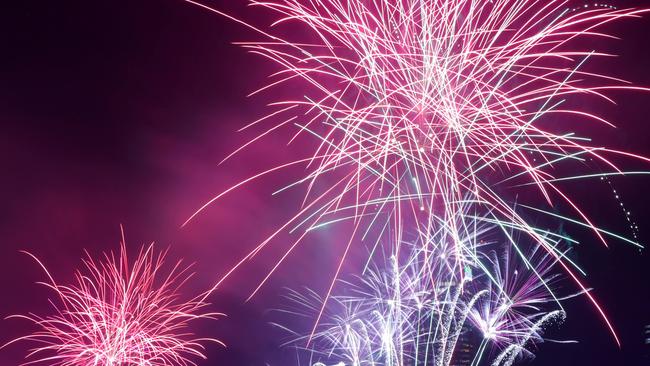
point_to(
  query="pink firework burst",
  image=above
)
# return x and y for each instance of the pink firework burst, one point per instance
(119, 313)
(417, 108)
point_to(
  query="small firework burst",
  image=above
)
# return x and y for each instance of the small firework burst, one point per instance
(119, 313)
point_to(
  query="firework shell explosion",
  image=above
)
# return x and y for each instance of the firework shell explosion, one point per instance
(418, 108)
(119, 313)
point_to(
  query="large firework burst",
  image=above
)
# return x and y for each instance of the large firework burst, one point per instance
(119, 313)
(416, 108)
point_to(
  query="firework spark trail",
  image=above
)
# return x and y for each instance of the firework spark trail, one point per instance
(415, 104)
(509, 355)
(119, 313)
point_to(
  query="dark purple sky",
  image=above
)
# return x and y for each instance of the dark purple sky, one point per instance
(117, 112)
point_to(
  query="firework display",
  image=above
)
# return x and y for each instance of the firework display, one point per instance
(434, 140)
(119, 313)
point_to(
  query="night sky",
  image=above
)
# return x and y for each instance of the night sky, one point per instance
(118, 112)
